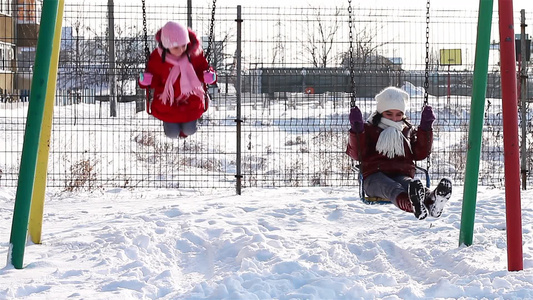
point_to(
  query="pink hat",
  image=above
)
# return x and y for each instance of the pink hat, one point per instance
(174, 35)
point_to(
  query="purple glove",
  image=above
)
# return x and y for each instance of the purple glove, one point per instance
(356, 120)
(427, 119)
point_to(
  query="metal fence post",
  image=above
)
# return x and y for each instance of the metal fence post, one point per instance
(111, 49)
(238, 104)
(523, 98)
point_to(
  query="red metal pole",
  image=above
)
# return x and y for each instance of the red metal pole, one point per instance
(510, 137)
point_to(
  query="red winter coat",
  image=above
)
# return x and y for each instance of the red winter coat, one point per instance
(362, 147)
(184, 112)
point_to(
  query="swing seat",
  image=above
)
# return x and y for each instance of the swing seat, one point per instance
(378, 200)
(145, 79)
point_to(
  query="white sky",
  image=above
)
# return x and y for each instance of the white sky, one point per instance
(437, 4)
(450, 4)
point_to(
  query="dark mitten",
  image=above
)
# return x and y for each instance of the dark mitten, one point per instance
(356, 120)
(427, 119)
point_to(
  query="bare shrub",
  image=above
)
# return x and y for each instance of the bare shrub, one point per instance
(491, 160)
(252, 164)
(298, 141)
(457, 154)
(163, 148)
(209, 164)
(294, 173)
(191, 146)
(329, 163)
(82, 176)
(316, 180)
(145, 138)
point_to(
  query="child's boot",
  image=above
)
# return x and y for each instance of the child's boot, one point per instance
(437, 199)
(417, 195)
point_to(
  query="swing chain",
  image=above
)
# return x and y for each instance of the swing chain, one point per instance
(145, 31)
(147, 54)
(211, 28)
(426, 81)
(352, 75)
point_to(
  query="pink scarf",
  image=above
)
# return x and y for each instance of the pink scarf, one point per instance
(189, 82)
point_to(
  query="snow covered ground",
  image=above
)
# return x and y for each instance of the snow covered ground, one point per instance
(286, 243)
(283, 243)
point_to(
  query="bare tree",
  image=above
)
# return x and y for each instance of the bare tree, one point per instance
(320, 39)
(371, 70)
(81, 61)
(433, 59)
(365, 50)
(218, 57)
(278, 56)
(130, 56)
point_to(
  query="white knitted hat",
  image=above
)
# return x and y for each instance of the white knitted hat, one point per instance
(391, 98)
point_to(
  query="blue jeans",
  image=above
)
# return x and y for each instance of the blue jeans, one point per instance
(387, 187)
(172, 130)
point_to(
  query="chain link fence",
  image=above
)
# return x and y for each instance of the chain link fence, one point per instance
(288, 123)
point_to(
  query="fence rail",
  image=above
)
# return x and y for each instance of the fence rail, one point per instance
(293, 105)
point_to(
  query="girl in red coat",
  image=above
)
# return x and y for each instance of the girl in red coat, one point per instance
(177, 71)
(387, 146)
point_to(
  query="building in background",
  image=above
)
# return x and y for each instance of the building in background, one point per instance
(19, 28)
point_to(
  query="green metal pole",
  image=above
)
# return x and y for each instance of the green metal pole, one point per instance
(21, 212)
(475, 130)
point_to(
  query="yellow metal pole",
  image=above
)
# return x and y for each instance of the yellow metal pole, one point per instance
(39, 187)
(30, 147)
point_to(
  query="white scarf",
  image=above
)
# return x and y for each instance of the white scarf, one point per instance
(390, 141)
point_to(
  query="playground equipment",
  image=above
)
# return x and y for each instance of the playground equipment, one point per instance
(357, 167)
(34, 131)
(47, 47)
(207, 54)
(510, 119)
